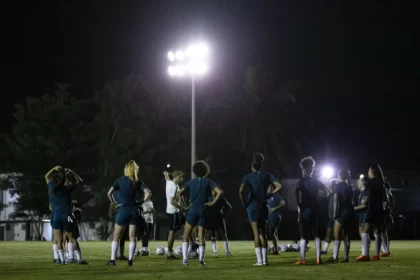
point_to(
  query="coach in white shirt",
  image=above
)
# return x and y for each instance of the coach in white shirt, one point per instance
(173, 208)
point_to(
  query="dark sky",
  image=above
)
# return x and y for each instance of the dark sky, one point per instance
(358, 62)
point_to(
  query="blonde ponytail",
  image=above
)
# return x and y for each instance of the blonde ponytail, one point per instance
(131, 170)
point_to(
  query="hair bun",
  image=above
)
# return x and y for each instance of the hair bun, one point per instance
(258, 158)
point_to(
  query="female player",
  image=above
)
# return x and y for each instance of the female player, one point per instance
(330, 226)
(375, 211)
(60, 197)
(361, 210)
(275, 202)
(389, 220)
(257, 182)
(307, 195)
(129, 186)
(198, 188)
(342, 213)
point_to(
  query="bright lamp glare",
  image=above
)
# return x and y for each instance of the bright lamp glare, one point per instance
(180, 55)
(171, 70)
(327, 172)
(168, 165)
(361, 176)
(171, 56)
(180, 70)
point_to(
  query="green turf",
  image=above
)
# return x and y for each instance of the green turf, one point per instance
(33, 260)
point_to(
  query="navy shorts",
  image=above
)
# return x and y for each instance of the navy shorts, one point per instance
(345, 217)
(128, 216)
(60, 221)
(274, 220)
(375, 217)
(174, 221)
(308, 217)
(196, 217)
(362, 217)
(257, 213)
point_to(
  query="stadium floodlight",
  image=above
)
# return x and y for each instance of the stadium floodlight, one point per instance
(361, 176)
(168, 165)
(327, 172)
(192, 61)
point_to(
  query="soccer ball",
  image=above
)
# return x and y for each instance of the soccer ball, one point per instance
(295, 247)
(160, 251)
(283, 247)
(144, 252)
(178, 251)
(193, 255)
(289, 248)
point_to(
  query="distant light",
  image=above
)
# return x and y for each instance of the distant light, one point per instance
(361, 176)
(180, 70)
(46, 221)
(172, 70)
(168, 165)
(327, 172)
(171, 56)
(180, 55)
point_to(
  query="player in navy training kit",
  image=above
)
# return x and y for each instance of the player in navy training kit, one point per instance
(361, 209)
(330, 226)
(307, 195)
(343, 213)
(257, 183)
(376, 198)
(129, 186)
(199, 189)
(275, 202)
(215, 223)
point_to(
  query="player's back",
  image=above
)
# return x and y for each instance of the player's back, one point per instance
(274, 201)
(345, 194)
(61, 201)
(199, 189)
(258, 183)
(376, 195)
(127, 190)
(309, 188)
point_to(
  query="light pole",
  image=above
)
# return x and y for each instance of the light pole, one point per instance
(193, 62)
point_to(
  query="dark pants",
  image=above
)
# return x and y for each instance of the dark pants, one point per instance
(147, 231)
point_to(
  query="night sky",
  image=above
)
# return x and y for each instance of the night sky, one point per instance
(358, 62)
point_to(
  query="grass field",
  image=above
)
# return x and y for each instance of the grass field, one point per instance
(33, 260)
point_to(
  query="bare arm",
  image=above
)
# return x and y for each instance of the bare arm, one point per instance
(147, 194)
(298, 197)
(241, 194)
(227, 204)
(219, 193)
(175, 204)
(281, 204)
(111, 197)
(47, 176)
(278, 187)
(166, 174)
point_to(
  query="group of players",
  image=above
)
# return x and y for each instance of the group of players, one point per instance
(130, 200)
(65, 215)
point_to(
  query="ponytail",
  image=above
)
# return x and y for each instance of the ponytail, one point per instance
(131, 171)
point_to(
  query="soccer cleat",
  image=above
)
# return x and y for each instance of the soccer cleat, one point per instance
(375, 258)
(215, 254)
(70, 261)
(301, 261)
(384, 255)
(130, 262)
(172, 257)
(122, 258)
(82, 262)
(324, 252)
(111, 262)
(332, 260)
(258, 264)
(59, 262)
(229, 254)
(266, 264)
(185, 262)
(319, 261)
(344, 261)
(363, 259)
(201, 263)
